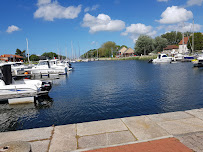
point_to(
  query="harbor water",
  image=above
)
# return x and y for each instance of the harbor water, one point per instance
(110, 89)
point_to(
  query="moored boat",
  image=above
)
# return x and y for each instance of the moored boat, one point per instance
(10, 88)
(162, 58)
(198, 62)
(45, 67)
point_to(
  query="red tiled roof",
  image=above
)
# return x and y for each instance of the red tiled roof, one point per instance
(9, 55)
(170, 47)
(185, 40)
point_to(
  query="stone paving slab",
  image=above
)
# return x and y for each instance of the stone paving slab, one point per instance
(143, 128)
(182, 126)
(64, 139)
(40, 146)
(196, 112)
(169, 116)
(26, 135)
(105, 139)
(194, 141)
(99, 127)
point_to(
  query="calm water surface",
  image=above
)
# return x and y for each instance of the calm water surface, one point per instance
(110, 89)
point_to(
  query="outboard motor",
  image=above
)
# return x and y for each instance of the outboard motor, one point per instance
(150, 61)
(46, 86)
(6, 73)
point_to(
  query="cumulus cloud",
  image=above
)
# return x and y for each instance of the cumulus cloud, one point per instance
(194, 2)
(12, 29)
(93, 8)
(135, 30)
(53, 10)
(162, 0)
(102, 23)
(42, 2)
(174, 15)
(183, 28)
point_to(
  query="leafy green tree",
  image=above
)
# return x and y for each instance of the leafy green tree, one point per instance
(119, 47)
(108, 48)
(34, 57)
(173, 37)
(21, 53)
(144, 45)
(198, 41)
(50, 55)
(160, 43)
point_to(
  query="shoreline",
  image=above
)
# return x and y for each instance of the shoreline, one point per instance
(111, 132)
(144, 58)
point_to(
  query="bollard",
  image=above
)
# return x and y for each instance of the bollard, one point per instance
(15, 146)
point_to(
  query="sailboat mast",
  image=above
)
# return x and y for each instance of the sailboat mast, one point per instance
(183, 44)
(79, 49)
(193, 46)
(66, 54)
(72, 48)
(28, 55)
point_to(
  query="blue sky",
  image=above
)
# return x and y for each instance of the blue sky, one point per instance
(51, 25)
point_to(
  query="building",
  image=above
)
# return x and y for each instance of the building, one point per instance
(183, 45)
(129, 52)
(122, 50)
(171, 49)
(10, 57)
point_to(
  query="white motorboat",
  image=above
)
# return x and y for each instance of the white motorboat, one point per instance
(198, 62)
(9, 87)
(45, 67)
(65, 63)
(85, 60)
(55, 63)
(25, 86)
(162, 58)
(178, 57)
(17, 67)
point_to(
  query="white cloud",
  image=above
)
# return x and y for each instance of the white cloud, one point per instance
(183, 28)
(174, 15)
(87, 9)
(12, 28)
(53, 10)
(102, 23)
(93, 8)
(194, 2)
(162, 0)
(42, 2)
(94, 43)
(135, 30)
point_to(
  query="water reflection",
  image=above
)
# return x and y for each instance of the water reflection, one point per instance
(11, 116)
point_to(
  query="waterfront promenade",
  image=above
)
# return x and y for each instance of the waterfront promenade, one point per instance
(175, 131)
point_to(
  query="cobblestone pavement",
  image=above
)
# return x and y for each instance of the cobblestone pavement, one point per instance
(192, 140)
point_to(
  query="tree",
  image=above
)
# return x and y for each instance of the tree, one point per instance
(144, 45)
(173, 37)
(21, 53)
(198, 41)
(50, 55)
(34, 57)
(108, 48)
(160, 43)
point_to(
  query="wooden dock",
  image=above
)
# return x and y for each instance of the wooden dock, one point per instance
(15, 94)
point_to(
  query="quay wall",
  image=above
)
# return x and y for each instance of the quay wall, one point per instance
(104, 133)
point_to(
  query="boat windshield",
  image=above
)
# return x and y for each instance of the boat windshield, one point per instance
(43, 63)
(164, 56)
